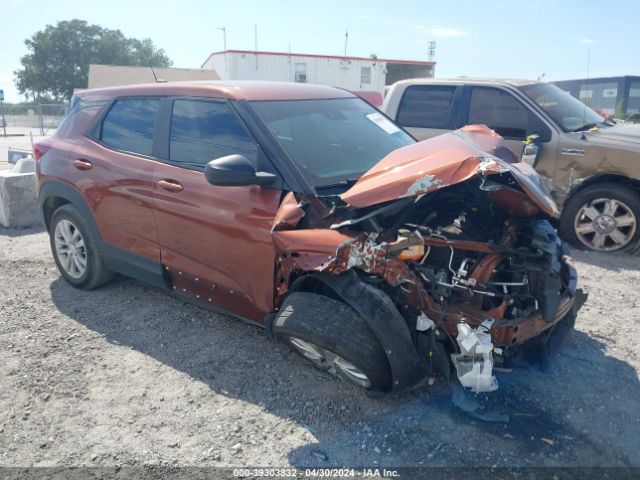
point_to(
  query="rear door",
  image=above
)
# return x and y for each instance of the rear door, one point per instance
(114, 172)
(215, 241)
(427, 110)
(507, 115)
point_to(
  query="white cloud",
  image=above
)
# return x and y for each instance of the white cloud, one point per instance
(588, 41)
(448, 32)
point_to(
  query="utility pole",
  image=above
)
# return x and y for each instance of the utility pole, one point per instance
(4, 122)
(346, 39)
(224, 39)
(587, 99)
(431, 49)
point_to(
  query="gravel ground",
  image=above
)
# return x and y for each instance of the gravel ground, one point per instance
(126, 375)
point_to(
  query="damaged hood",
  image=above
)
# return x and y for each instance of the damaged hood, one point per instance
(447, 159)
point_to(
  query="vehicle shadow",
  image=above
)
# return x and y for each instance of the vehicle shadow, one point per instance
(610, 261)
(20, 232)
(581, 413)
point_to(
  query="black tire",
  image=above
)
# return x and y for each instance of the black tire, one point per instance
(96, 273)
(336, 328)
(612, 191)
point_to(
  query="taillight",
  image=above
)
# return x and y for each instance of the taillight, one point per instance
(39, 149)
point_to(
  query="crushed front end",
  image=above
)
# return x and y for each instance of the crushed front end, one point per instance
(461, 241)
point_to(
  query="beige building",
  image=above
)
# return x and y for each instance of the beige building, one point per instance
(112, 75)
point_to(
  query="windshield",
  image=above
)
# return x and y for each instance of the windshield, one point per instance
(569, 112)
(331, 140)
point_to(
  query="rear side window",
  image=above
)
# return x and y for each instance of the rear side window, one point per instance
(502, 112)
(130, 124)
(426, 106)
(202, 131)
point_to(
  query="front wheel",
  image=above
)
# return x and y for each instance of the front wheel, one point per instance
(333, 338)
(603, 218)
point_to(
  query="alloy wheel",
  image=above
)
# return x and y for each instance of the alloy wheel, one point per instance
(70, 249)
(331, 362)
(605, 224)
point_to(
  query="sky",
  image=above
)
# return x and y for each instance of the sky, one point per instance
(491, 38)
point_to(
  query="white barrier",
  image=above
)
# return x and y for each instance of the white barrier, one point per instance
(18, 199)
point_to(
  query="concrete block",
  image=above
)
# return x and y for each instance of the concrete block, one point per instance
(18, 199)
(25, 165)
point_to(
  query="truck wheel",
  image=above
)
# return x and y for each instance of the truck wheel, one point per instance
(75, 249)
(603, 218)
(334, 338)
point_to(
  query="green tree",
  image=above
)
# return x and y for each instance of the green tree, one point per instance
(59, 57)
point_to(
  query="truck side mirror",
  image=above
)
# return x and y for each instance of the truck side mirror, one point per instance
(531, 151)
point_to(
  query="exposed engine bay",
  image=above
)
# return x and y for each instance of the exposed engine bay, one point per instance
(473, 264)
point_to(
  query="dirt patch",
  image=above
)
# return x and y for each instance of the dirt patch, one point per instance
(126, 375)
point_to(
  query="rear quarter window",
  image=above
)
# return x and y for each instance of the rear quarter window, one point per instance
(426, 106)
(79, 117)
(130, 125)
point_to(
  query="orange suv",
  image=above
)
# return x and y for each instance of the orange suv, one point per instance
(302, 208)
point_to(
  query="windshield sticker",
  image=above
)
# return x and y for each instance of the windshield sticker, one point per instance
(384, 123)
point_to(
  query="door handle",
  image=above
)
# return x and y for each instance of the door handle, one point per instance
(170, 185)
(572, 151)
(82, 164)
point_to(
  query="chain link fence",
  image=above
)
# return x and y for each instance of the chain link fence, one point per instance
(44, 117)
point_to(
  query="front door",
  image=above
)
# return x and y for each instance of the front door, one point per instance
(506, 115)
(215, 241)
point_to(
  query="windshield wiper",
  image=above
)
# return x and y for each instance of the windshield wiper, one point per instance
(342, 183)
(587, 126)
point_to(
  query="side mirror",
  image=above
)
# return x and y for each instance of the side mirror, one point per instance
(235, 171)
(531, 151)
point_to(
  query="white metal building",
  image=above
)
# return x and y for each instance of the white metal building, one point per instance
(365, 76)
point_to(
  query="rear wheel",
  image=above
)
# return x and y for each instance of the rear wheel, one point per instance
(75, 249)
(333, 338)
(603, 218)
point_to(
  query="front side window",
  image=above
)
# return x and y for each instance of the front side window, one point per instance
(498, 110)
(129, 126)
(202, 131)
(331, 140)
(505, 114)
(426, 106)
